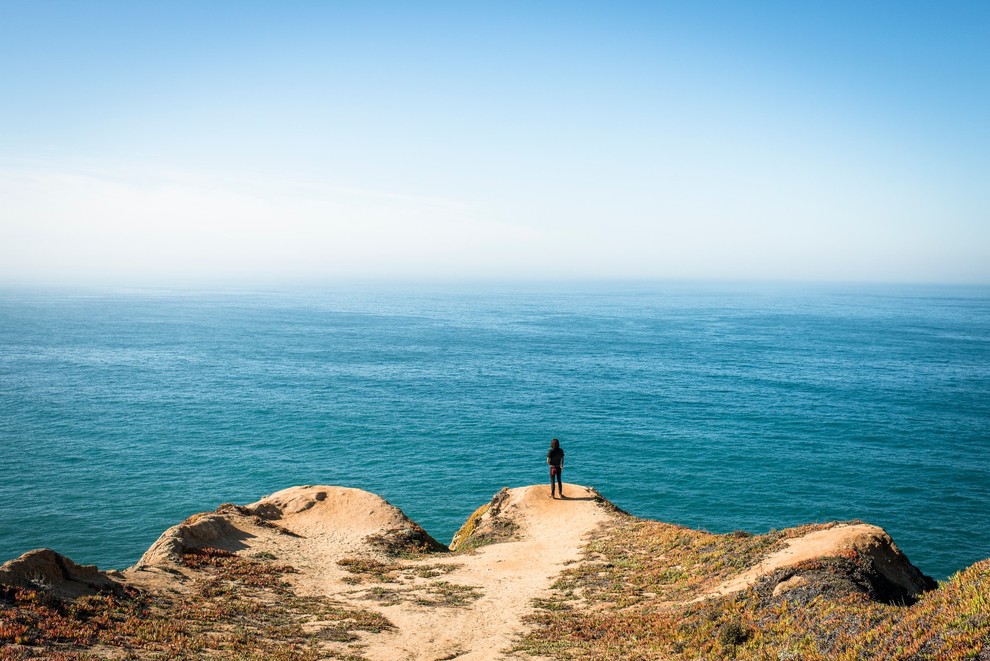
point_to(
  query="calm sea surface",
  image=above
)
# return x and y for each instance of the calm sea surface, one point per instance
(717, 407)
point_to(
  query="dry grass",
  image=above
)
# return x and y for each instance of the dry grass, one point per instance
(435, 594)
(631, 598)
(375, 571)
(235, 608)
(399, 583)
(369, 569)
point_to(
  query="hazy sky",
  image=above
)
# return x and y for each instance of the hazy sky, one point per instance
(308, 141)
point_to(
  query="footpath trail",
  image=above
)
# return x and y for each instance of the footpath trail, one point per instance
(507, 575)
(467, 605)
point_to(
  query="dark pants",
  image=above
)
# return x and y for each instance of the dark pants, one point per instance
(561, 484)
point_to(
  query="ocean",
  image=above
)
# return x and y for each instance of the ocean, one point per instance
(716, 406)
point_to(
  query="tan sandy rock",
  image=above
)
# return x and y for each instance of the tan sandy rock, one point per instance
(45, 569)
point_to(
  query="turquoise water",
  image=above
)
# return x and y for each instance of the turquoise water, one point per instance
(717, 407)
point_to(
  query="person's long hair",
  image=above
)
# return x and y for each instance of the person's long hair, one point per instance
(554, 444)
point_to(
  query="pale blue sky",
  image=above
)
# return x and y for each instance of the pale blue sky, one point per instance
(292, 141)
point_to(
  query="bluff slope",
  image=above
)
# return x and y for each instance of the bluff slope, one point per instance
(331, 572)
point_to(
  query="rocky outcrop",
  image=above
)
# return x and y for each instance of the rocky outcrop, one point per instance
(488, 524)
(46, 570)
(836, 561)
(213, 529)
(859, 559)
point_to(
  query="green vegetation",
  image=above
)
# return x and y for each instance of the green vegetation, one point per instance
(461, 537)
(634, 597)
(479, 531)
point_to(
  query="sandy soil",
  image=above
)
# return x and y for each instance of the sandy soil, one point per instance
(328, 524)
(509, 575)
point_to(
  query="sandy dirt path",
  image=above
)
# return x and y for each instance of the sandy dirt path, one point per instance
(509, 575)
(468, 605)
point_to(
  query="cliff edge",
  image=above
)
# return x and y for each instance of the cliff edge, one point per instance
(332, 572)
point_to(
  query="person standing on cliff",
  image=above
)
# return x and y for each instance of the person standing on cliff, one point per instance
(555, 459)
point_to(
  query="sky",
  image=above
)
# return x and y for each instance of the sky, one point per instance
(282, 142)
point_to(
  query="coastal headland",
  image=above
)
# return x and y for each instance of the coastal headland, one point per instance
(324, 572)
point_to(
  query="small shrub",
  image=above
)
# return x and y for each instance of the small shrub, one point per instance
(732, 634)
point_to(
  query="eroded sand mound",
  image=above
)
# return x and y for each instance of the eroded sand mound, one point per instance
(350, 517)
